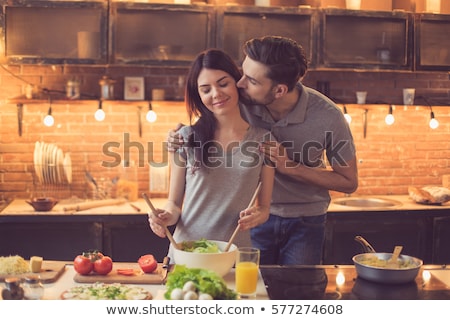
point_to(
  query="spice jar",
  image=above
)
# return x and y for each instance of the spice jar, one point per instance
(13, 290)
(33, 288)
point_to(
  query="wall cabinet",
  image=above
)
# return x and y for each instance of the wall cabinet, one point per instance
(366, 39)
(120, 32)
(432, 42)
(162, 34)
(237, 24)
(54, 32)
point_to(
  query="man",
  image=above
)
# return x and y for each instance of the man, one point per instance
(306, 125)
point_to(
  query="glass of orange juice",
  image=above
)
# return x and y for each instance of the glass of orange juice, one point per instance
(247, 266)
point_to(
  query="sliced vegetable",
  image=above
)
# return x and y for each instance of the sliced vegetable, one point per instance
(126, 271)
(148, 263)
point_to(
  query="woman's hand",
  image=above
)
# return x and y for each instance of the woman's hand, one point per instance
(164, 217)
(252, 217)
(156, 223)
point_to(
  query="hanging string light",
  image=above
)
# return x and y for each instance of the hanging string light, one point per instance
(433, 122)
(389, 117)
(99, 115)
(48, 119)
(151, 115)
(347, 116)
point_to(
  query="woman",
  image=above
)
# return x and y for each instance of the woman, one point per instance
(213, 177)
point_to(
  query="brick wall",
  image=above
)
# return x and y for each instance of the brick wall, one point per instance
(391, 157)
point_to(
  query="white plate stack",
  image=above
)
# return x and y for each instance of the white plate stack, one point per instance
(51, 165)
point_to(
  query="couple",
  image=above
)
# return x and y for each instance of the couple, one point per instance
(211, 184)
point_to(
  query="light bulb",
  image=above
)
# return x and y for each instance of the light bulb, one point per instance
(49, 120)
(151, 116)
(347, 117)
(389, 117)
(433, 122)
(99, 115)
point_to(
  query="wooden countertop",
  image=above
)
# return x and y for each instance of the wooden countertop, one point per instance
(21, 207)
(405, 204)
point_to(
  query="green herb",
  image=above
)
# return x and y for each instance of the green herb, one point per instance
(206, 281)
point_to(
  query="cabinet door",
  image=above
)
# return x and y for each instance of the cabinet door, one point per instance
(52, 32)
(366, 39)
(382, 230)
(127, 241)
(159, 34)
(441, 240)
(51, 240)
(239, 24)
(432, 42)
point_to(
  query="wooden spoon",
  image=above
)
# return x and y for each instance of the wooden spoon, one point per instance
(392, 262)
(237, 228)
(168, 234)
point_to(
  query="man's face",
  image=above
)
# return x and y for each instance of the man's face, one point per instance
(254, 86)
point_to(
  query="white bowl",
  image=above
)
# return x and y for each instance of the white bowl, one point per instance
(220, 262)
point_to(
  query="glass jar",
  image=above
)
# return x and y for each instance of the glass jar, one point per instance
(73, 89)
(106, 88)
(33, 288)
(13, 290)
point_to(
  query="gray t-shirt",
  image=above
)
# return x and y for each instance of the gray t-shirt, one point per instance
(314, 127)
(215, 195)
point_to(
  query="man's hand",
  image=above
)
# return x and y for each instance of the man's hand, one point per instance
(276, 154)
(174, 139)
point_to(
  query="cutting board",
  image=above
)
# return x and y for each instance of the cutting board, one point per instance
(50, 272)
(157, 277)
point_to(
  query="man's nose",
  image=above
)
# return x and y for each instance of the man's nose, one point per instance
(240, 83)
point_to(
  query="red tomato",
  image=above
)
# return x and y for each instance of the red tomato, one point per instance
(126, 271)
(83, 265)
(148, 263)
(103, 265)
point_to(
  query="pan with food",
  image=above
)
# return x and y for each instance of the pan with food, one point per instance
(375, 266)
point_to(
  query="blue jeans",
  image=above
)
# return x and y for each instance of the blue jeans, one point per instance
(290, 241)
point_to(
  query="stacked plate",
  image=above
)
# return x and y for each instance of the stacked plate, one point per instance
(51, 165)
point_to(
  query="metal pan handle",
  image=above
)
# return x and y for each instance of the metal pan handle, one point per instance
(367, 248)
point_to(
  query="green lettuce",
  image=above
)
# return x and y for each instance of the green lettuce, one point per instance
(200, 246)
(206, 281)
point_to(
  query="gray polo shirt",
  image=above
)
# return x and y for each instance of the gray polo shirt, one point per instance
(314, 128)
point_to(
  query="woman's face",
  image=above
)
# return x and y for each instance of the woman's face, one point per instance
(218, 91)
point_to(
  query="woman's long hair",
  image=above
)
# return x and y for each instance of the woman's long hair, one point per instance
(205, 125)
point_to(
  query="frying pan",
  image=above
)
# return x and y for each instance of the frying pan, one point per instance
(385, 274)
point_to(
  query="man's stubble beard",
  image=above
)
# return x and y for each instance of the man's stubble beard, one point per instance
(246, 99)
